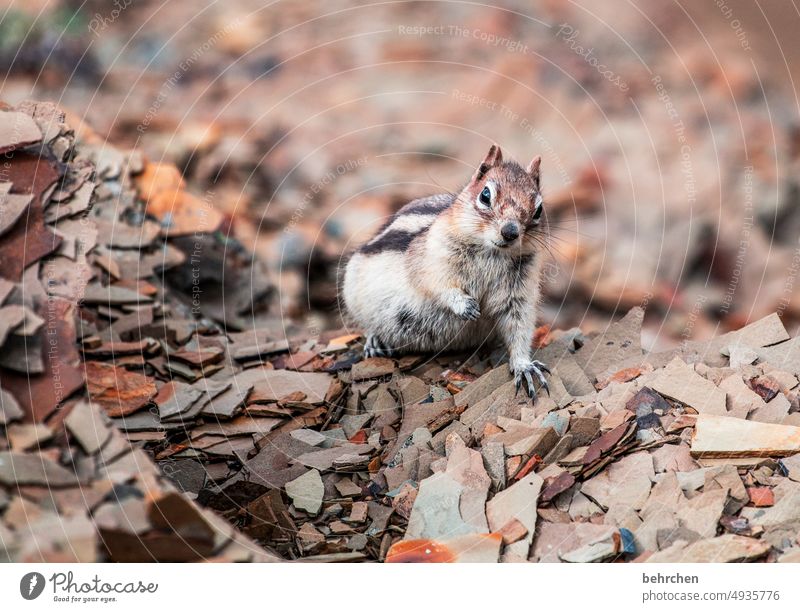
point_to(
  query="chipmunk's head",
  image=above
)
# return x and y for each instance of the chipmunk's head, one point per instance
(501, 207)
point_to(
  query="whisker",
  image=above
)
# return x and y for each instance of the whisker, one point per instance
(545, 245)
(439, 185)
(552, 228)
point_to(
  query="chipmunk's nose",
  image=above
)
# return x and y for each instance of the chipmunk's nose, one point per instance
(509, 231)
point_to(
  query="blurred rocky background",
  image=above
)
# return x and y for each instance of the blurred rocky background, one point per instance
(669, 133)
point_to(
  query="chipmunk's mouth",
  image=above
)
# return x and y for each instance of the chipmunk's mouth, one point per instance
(504, 245)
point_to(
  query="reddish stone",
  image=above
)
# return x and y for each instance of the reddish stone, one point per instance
(63, 374)
(530, 464)
(420, 551)
(138, 285)
(513, 531)
(295, 361)
(604, 443)
(293, 397)
(374, 465)
(119, 391)
(360, 437)
(761, 497)
(200, 357)
(767, 388)
(556, 485)
(541, 337)
(490, 429)
(625, 375)
(28, 240)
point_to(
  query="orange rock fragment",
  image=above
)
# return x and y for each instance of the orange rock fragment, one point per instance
(120, 392)
(420, 551)
(625, 375)
(530, 464)
(761, 497)
(157, 178)
(182, 213)
(541, 337)
(513, 531)
(360, 437)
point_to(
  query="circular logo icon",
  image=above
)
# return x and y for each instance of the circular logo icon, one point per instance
(31, 585)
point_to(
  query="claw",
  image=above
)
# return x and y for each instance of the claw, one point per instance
(535, 368)
(541, 366)
(540, 377)
(529, 380)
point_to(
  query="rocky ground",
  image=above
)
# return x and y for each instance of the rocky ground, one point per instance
(154, 406)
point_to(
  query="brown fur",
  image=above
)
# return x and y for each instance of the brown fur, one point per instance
(456, 271)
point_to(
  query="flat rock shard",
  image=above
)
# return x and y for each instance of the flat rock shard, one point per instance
(472, 548)
(720, 436)
(516, 502)
(307, 491)
(680, 382)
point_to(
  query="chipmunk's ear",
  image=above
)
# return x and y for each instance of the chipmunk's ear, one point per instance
(533, 169)
(493, 157)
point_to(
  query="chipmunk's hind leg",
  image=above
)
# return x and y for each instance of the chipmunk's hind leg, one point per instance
(527, 373)
(375, 348)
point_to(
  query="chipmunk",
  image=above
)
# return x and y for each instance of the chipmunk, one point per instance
(455, 271)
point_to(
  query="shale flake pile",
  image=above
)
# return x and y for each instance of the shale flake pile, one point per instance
(153, 409)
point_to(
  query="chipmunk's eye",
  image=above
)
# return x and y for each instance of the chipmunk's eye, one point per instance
(485, 197)
(537, 213)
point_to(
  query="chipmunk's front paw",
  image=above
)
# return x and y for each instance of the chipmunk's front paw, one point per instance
(375, 348)
(467, 307)
(527, 371)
